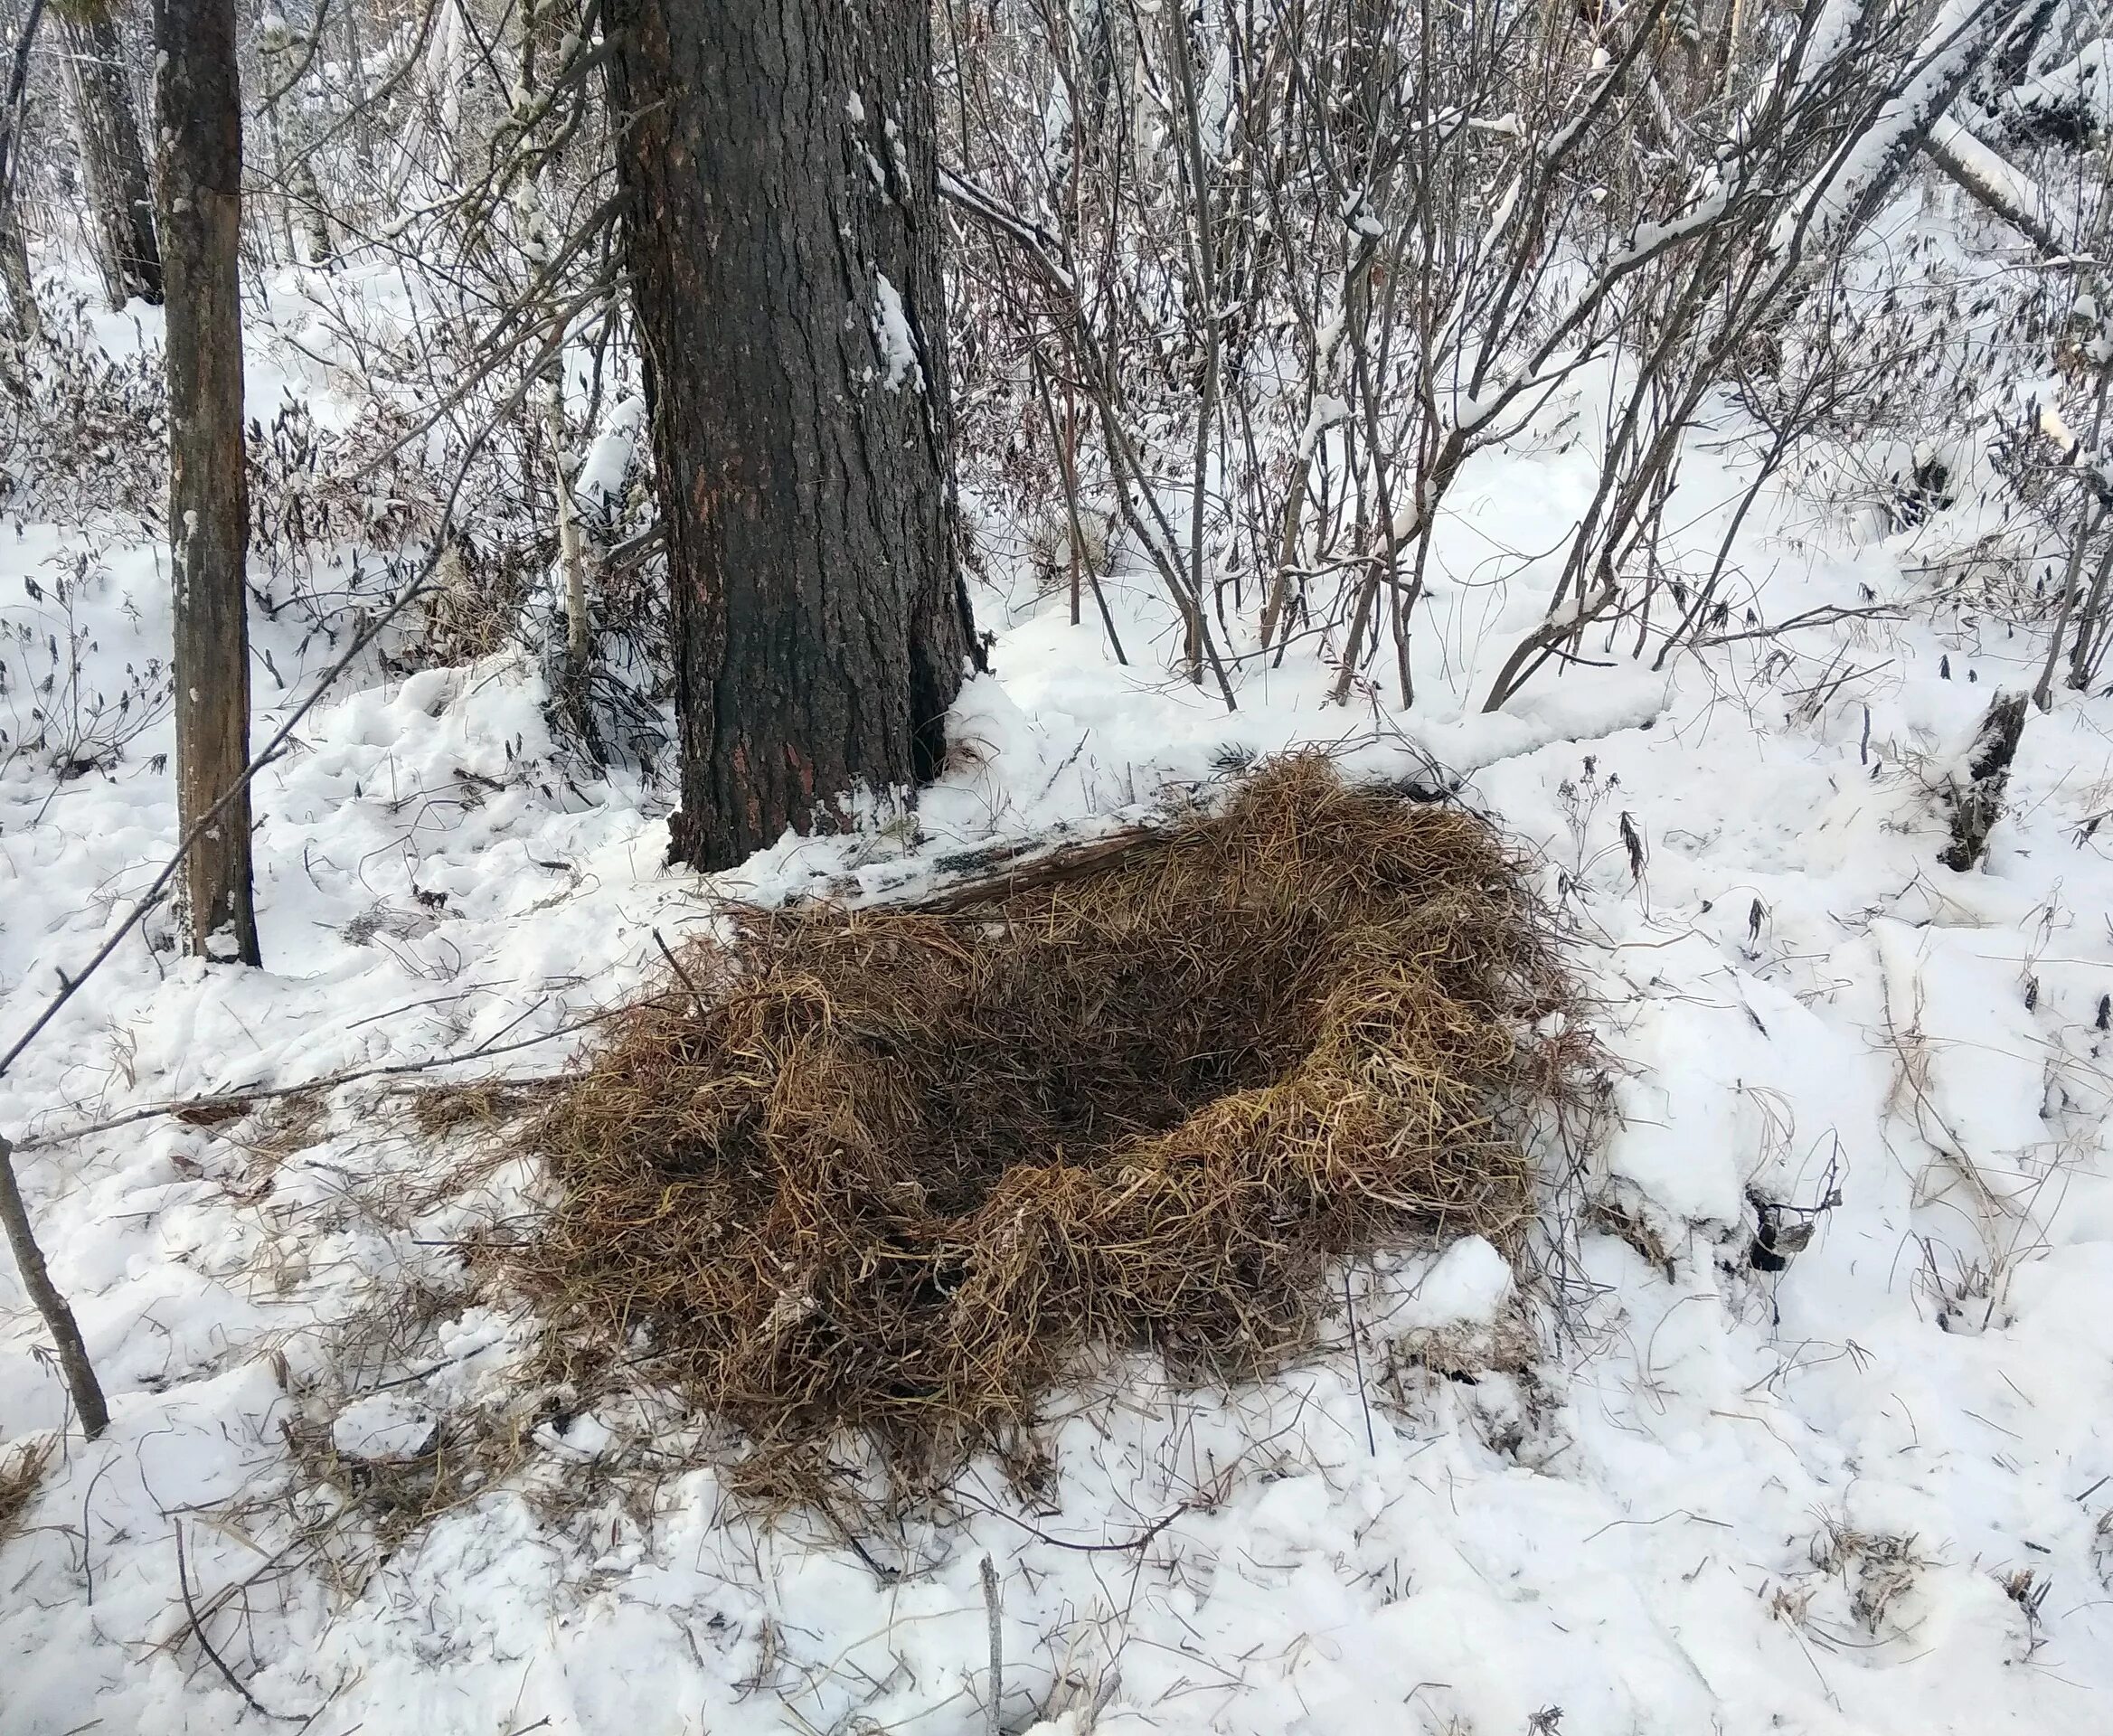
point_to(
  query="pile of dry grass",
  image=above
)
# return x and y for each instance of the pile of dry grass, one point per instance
(901, 1171)
(22, 1469)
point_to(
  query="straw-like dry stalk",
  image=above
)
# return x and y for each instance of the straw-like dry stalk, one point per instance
(907, 1170)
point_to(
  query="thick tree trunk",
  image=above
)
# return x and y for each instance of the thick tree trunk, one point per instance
(120, 194)
(784, 250)
(199, 122)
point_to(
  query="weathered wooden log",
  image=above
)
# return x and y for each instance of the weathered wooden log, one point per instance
(1974, 792)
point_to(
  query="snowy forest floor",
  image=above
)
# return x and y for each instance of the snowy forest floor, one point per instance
(1647, 1491)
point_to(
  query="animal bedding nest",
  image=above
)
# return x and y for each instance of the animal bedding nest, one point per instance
(903, 1172)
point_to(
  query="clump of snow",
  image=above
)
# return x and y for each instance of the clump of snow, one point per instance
(2082, 85)
(605, 470)
(384, 1428)
(580, 1436)
(895, 336)
(1466, 1285)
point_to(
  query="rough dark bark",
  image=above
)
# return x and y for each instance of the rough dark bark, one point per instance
(780, 164)
(1975, 800)
(199, 124)
(120, 193)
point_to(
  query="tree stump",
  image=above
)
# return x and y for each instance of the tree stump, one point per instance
(1974, 794)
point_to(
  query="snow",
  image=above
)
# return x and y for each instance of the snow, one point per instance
(1327, 410)
(2084, 85)
(895, 337)
(1651, 238)
(607, 467)
(1214, 105)
(1359, 217)
(384, 1428)
(1646, 1485)
(1463, 1286)
(1985, 165)
(1949, 42)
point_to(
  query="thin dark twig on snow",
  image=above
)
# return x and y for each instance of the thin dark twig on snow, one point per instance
(235, 1101)
(210, 1651)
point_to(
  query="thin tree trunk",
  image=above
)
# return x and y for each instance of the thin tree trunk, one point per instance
(2088, 522)
(120, 194)
(307, 218)
(574, 696)
(15, 273)
(199, 122)
(29, 1261)
(1203, 288)
(784, 249)
(1067, 450)
(2091, 629)
(574, 686)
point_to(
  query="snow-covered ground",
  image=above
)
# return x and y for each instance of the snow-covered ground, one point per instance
(1647, 1491)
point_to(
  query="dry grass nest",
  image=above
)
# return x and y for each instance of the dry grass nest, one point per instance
(901, 1173)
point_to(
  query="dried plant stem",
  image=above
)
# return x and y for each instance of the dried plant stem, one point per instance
(997, 1645)
(1371, 1445)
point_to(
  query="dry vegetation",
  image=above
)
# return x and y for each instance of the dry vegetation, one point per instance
(21, 1469)
(902, 1171)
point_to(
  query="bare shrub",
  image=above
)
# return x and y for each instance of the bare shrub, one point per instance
(83, 433)
(58, 707)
